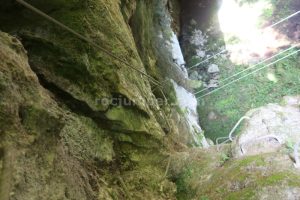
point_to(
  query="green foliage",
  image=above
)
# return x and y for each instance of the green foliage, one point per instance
(233, 40)
(231, 103)
(268, 12)
(183, 189)
(224, 157)
(289, 146)
(242, 2)
(268, 86)
(204, 198)
(281, 8)
(195, 60)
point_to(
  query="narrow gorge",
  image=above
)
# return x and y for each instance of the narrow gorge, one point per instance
(141, 99)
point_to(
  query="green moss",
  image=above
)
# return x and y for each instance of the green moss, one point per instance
(242, 178)
(72, 150)
(79, 68)
(39, 121)
(86, 141)
(188, 181)
(124, 138)
(3, 82)
(204, 198)
(130, 118)
(183, 182)
(142, 27)
(244, 194)
(170, 92)
(257, 160)
(275, 179)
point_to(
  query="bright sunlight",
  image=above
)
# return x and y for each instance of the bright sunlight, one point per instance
(248, 38)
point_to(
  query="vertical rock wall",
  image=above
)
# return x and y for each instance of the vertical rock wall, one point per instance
(66, 132)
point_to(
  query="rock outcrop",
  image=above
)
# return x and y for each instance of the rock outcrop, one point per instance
(77, 123)
(270, 127)
(49, 151)
(259, 164)
(212, 174)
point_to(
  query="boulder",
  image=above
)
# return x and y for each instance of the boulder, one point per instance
(213, 68)
(269, 128)
(194, 75)
(213, 83)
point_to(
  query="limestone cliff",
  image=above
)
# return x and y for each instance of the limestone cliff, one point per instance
(82, 122)
(66, 132)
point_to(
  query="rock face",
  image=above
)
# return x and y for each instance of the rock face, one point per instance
(270, 127)
(48, 150)
(177, 54)
(42, 143)
(65, 131)
(187, 102)
(211, 174)
(201, 41)
(213, 68)
(259, 164)
(194, 75)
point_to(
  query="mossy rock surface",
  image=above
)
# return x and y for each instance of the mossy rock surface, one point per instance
(65, 144)
(206, 174)
(47, 151)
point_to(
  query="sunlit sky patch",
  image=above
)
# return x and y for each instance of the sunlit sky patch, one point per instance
(246, 41)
